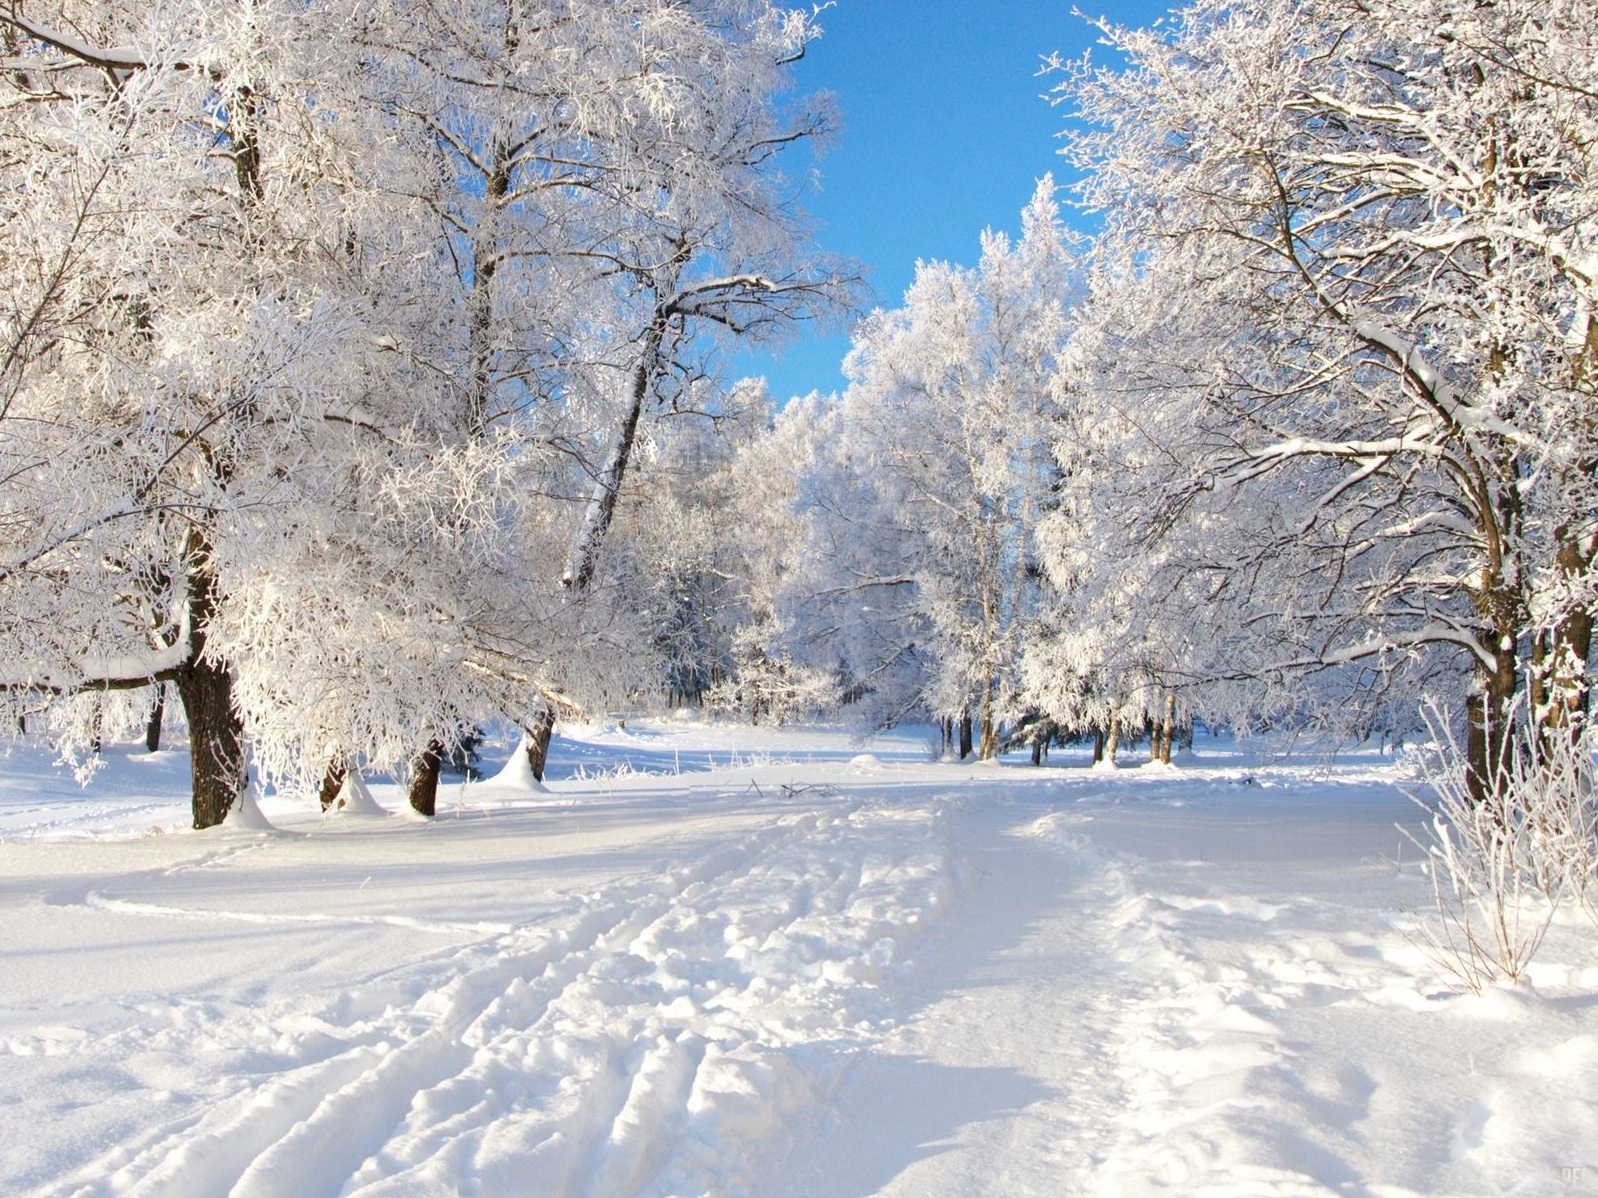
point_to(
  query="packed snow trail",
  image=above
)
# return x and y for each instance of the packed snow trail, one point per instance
(1003, 1084)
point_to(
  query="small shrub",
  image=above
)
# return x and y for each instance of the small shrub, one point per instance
(1502, 867)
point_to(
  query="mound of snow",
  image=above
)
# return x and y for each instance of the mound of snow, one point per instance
(356, 797)
(245, 814)
(517, 773)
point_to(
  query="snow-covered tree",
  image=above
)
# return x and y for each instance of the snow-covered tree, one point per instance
(1351, 248)
(181, 342)
(311, 351)
(942, 470)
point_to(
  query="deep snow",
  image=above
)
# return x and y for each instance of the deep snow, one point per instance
(713, 960)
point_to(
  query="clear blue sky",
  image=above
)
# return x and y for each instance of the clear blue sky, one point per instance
(945, 133)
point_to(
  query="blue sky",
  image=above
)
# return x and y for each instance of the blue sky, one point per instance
(945, 133)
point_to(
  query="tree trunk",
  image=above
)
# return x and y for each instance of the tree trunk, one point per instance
(537, 741)
(946, 737)
(332, 782)
(965, 736)
(607, 487)
(1112, 740)
(988, 743)
(1489, 735)
(1098, 745)
(1561, 693)
(1562, 673)
(216, 739)
(205, 687)
(1168, 730)
(152, 728)
(424, 779)
(1037, 751)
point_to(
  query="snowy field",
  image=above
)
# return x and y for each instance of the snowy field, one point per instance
(737, 961)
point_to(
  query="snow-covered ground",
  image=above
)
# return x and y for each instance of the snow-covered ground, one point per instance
(713, 960)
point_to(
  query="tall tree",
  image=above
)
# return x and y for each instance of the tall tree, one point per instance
(1352, 245)
(944, 423)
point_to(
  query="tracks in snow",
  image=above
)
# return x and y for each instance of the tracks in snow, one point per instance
(668, 1034)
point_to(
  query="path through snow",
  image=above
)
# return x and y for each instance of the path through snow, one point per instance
(818, 978)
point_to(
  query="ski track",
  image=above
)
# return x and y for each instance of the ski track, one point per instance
(665, 1036)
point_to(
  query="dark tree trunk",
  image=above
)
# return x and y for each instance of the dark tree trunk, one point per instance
(1168, 729)
(946, 737)
(424, 779)
(965, 736)
(152, 729)
(1037, 751)
(538, 738)
(205, 687)
(332, 782)
(1098, 745)
(216, 739)
(1489, 734)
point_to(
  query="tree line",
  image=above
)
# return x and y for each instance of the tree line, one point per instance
(359, 380)
(1304, 435)
(333, 331)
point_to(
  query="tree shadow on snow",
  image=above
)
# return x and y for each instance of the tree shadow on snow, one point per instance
(918, 1110)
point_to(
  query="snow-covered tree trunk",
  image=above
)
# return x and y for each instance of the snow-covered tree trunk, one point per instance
(332, 783)
(601, 509)
(205, 687)
(425, 770)
(536, 741)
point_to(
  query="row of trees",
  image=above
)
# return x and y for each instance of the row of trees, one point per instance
(332, 332)
(340, 334)
(1309, 431)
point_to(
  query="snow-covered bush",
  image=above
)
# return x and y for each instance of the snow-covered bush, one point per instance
(1502, 865)
(768, 685)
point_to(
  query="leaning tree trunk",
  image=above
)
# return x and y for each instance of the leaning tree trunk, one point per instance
(601, 510)
(332, 782)
(424, 779)
(537, 742)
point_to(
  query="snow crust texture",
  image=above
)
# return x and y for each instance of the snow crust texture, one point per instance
(662, 1035)
(815, 974)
